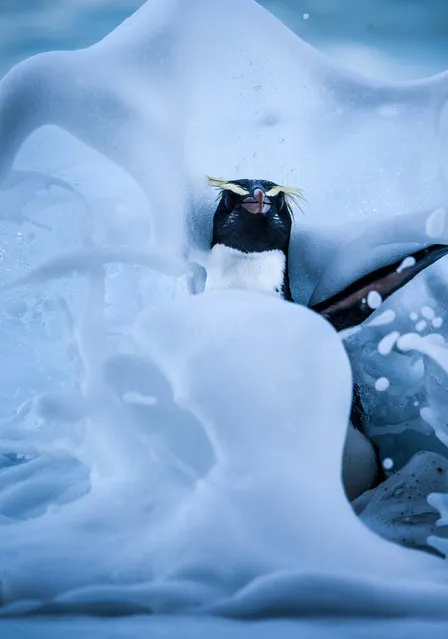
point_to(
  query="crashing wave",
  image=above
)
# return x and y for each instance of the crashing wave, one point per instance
(190, 460)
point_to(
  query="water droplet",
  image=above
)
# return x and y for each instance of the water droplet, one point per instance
(427, 312)
(387, 343)
(388, 463)
(382, 384)
(420, 326)
(385, 318)
(406, 263)
(374, 299)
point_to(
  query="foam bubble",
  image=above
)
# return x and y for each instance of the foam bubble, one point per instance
(427, 312)
(406, 263)
(388, 342)
(382, 384)
(374, 299)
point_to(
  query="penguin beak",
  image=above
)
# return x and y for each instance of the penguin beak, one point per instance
(257, 202)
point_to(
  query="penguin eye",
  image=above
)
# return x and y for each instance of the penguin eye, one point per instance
(280, 201)
(228, 199)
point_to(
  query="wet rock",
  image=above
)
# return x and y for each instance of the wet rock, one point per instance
(398, 509)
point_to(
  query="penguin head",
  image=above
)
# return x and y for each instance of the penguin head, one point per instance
(253, 215)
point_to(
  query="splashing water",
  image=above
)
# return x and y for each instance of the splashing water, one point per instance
(184, 453)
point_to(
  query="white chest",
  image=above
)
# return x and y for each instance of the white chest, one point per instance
(228, 268)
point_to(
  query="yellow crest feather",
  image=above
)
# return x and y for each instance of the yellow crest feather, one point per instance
(293, 195)
(225, 185)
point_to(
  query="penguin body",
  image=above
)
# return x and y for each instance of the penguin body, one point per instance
(249, 250)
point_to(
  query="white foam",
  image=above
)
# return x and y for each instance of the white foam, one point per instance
(225, 497)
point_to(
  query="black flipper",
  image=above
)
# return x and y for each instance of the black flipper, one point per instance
(349, 307)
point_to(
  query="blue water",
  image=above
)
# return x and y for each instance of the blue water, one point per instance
(389, 38)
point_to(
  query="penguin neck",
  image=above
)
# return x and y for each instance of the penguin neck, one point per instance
(263, 271)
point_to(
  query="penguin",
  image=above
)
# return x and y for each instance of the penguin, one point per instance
(251, 232)
(252, 227)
